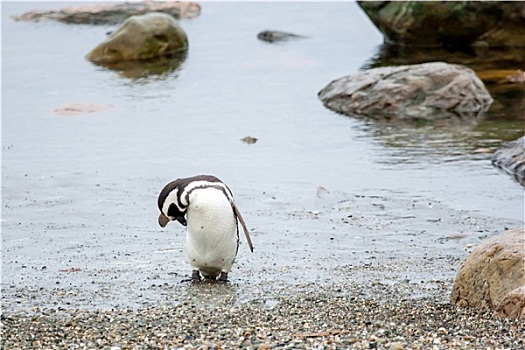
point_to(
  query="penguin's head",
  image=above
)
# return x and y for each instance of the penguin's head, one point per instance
(171, 205)
(174, 198)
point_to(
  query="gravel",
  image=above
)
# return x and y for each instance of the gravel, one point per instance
(337, 317)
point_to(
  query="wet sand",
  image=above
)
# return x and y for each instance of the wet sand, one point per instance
(301, 243)
(331, 270)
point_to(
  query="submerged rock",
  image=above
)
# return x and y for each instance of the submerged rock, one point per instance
(113, 13)
(274, 35)
(147, 36)
(158, 67)
(78, 108)
(511, 159)
(426, 91)
(493, 276)
(449, 23)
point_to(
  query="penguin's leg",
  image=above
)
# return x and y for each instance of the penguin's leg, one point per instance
(195, 277)
(223, 277)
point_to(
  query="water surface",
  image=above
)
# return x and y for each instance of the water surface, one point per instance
(80, 190)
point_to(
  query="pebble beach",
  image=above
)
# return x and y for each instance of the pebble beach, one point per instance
(334, 318)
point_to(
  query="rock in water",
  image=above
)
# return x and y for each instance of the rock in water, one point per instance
(493, 276)
(146, 36)
(112, 13)
(449, 23)
(512, 159)
(428, 91)
(275, 35)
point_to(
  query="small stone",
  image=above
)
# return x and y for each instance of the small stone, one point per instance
(396, 346)
(249, 140)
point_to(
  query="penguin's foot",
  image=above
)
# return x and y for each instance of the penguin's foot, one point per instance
(223, 277)
(195, 277)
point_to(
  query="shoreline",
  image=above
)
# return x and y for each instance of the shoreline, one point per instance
(354, 273)
(329, 319)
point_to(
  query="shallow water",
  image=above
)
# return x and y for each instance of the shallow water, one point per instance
(80, 191)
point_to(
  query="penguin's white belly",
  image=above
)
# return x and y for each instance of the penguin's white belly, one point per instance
(212, 237)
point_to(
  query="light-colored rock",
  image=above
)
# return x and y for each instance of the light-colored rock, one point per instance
(141, 37)
(396, 346)
(112, 13)
(493, 276)
(513, 305)
(435, 90)
(511, 158)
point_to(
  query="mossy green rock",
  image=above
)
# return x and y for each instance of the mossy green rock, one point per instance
(449, 23)
(146, 36)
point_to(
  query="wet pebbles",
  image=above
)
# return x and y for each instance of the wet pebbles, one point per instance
(306, 320)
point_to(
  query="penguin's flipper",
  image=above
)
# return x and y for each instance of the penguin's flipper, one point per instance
(243, 224)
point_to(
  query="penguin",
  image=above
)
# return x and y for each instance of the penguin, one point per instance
(205, 205)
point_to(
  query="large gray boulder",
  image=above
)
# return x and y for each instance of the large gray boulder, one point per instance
(426, 91)
(493, 276)
(146, 36)
(449, 23)
(511, 159)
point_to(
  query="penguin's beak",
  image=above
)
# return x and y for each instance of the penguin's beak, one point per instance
(163, 220)
(181, 220)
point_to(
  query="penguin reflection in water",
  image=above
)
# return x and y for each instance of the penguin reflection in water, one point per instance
(204, 204)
